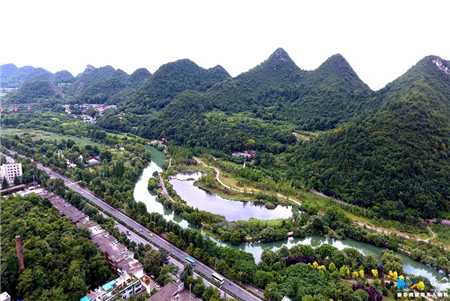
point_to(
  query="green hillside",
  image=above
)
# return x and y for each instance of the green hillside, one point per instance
(34, 91)
(90, 76)
(13, 77)
(328, 96)
(100, 90)
(394, 158)
(138, 77)
(247, 90)
(170, 80)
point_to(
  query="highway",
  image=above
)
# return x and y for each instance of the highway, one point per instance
(138, 228)
(138, 239)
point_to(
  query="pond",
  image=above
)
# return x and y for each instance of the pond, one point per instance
(232, 210)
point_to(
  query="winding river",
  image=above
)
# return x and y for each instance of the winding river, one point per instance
(142, 194)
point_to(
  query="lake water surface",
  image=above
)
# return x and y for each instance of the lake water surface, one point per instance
(232, 210)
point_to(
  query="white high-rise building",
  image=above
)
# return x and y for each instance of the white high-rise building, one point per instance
(10, 171)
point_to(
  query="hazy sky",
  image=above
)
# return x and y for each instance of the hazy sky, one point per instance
(380, 39)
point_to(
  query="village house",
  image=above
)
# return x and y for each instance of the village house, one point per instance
(93, 160)
(249, 155)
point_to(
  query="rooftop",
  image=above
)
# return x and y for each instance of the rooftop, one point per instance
(5, 296)
(164, 293)
(95, 294)
(93, 227)
(131, 266)
(108, 286)
(66, 209)
(109, 244)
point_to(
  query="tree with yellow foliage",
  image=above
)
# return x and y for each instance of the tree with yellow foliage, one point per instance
(343, 271)
(374, 272)
(332, 267)
(355, 274)
(361, 273)
(322, 267)
(315, 264)
(420, 286)
(395, 276)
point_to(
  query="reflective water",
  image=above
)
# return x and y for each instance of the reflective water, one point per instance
(232, 210)
(142, 194)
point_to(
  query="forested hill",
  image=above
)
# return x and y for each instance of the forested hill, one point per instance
(241, 93)
(94, 85)
(91, 76)
(262, 105)
(138, 77)
(278, 90)
(170, 80)
(12, 77)
(328, 96)
(35, 91)
(396, 158)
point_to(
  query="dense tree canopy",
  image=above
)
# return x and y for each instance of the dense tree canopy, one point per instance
(61, 262)
(395, 159)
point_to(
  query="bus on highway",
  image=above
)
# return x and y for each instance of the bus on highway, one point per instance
(190, 260)
(217, 277)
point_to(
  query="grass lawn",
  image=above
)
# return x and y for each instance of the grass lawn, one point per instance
(40, 134)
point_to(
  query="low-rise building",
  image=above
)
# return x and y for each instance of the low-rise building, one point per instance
(94, 160)
(121, 288)
(248, 154)
(120, 259)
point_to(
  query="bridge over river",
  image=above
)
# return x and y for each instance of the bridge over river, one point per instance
(15, 107)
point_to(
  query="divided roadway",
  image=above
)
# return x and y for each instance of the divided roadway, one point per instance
(138, 228)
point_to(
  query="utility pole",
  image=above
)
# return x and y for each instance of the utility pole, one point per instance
(190, 285)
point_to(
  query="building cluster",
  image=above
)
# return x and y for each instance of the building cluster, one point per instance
(10, 171)
(120, 259)
(100, 108)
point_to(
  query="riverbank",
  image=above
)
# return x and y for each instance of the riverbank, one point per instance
(321, 202)
(209, 182)
(407, 244)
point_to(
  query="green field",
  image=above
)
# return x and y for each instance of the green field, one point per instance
(39, 134)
